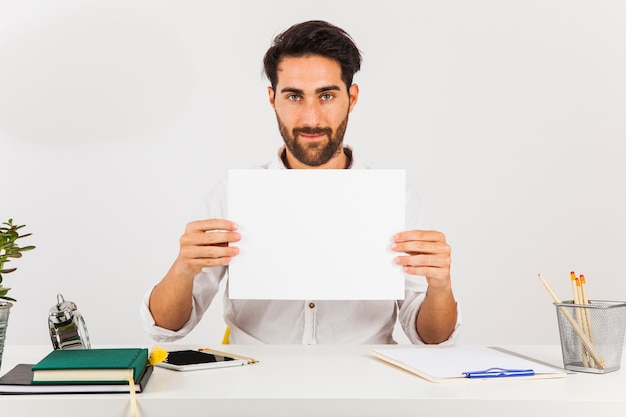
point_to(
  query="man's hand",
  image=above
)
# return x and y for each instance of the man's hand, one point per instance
(205, 243)
(427, 254)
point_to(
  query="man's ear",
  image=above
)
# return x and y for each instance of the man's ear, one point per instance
(271, 95)
(353, 93)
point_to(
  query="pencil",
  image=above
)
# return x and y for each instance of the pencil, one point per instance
(574, 290)
(232, 355)
(574, 324)
(585, 300)
(580, 316)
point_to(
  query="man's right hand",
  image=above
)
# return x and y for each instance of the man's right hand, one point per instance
(205, 243)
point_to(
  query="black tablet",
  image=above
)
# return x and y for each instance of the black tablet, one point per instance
(190, 360)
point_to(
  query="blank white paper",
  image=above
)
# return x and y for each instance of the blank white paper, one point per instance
(316, 234)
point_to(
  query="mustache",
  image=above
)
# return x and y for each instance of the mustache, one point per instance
(312, 131)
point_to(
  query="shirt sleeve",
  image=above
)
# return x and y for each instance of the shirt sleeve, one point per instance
(205, 287)
(416, 286)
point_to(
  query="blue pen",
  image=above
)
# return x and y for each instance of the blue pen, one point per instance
(499, 373)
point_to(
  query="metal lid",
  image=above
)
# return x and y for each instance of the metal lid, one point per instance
(63, 311)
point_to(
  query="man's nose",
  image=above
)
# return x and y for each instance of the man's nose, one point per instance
(311, 114)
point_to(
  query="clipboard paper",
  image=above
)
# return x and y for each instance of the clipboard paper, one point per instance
(451, 363)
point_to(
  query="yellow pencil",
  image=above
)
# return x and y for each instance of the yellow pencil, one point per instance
(574, 291)
(585, 300)
(581, 317)
(574, 324)
(579, 312)
(576, 294)
(232, 355)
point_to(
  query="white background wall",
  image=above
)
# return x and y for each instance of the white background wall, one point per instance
(509, 117)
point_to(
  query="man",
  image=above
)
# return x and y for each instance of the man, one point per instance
(310, 67)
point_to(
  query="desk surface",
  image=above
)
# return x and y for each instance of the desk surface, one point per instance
(327, 380)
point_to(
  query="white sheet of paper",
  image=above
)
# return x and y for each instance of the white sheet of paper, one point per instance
(316, 234)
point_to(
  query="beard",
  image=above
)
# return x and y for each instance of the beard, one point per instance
(318, 153)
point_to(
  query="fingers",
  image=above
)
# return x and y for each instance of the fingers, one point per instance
(209, 255)
(216, 233)
(430, 266)
(414, 242)
(210, 225)
(206, 238)
(419, 235)
(427, 254)
(206, 243)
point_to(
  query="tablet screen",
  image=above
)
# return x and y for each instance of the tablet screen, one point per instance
(189, 360)
(188, 357)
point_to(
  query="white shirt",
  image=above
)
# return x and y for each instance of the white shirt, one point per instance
(306, 321)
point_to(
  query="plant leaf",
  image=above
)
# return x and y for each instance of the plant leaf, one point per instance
(6, 271)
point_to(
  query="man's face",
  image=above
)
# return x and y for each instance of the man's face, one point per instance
(312, 106)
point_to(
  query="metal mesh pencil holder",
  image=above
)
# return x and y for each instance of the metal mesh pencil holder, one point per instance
(592, 335)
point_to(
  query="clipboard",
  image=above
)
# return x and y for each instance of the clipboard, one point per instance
(452, 363)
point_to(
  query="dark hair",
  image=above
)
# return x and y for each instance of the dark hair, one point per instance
(315, 37)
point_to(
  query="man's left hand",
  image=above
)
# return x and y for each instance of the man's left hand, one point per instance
(427, 254)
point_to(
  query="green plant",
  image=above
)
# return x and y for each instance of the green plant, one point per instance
(9, 249)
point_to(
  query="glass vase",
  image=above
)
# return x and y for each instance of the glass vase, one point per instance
(5, 308)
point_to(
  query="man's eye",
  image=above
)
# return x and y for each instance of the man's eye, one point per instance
(326, 97)
(293, 97)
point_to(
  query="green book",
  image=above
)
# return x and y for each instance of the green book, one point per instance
(91, 365)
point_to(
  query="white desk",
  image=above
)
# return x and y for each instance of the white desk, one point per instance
(327, 380)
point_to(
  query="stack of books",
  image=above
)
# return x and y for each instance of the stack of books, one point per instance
(81, 371)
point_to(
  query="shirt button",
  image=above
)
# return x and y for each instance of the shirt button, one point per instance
(311, 305)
